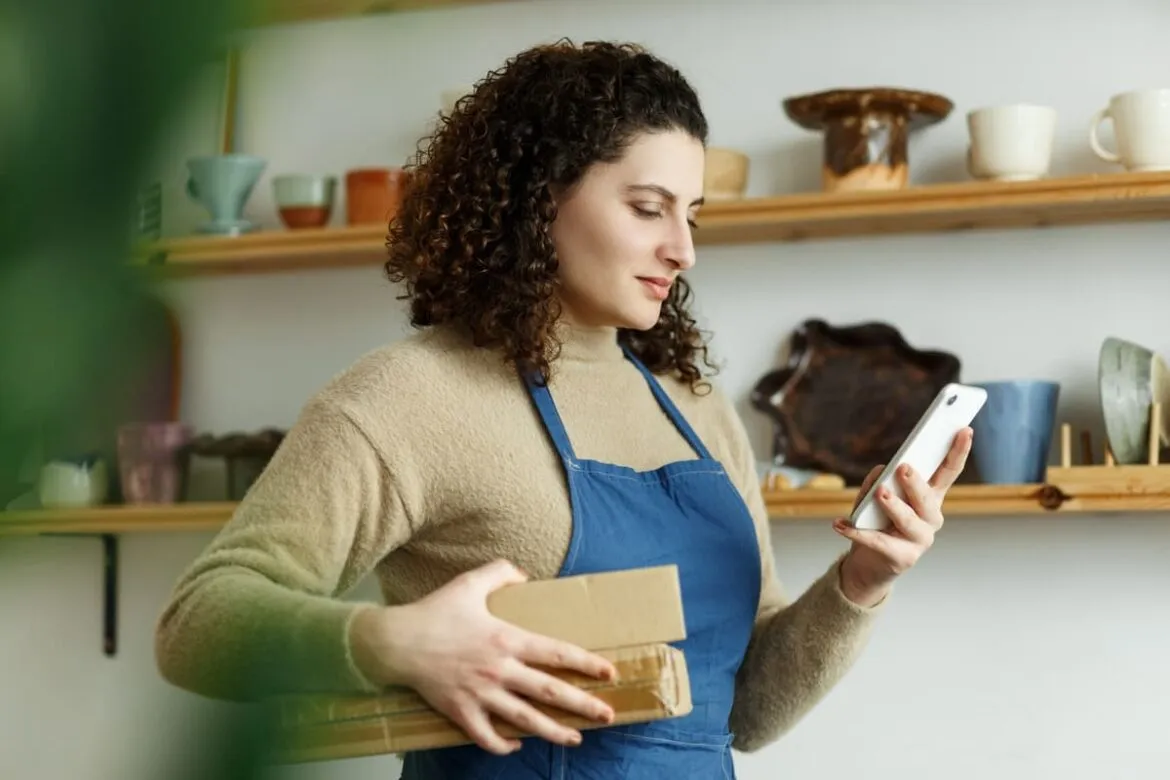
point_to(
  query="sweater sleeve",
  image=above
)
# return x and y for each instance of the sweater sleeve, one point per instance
(258, 612)
(799, 648)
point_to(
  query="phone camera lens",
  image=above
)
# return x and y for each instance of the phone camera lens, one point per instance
(952, 399)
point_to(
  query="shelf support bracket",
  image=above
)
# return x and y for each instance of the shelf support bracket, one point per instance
(109, 594)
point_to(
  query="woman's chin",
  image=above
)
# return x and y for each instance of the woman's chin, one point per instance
(641, 320)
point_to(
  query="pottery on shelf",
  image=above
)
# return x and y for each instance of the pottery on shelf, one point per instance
(150, 457)
(373, 195)
(866, 132)
(73, 482)
(848, 396)
(304, 200)
(1013, 431)
(725, 174)
(222, 184)
(245, 456)
(1130, 378)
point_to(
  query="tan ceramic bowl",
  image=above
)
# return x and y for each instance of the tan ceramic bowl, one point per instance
(726, 174)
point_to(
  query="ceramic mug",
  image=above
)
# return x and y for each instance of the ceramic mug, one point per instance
(1141, 128)
(73, 483)
(1010, 142)
(1013, 431)
(304, 200)
(374, 194)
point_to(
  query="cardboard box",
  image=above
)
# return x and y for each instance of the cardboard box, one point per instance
(627, 616)
(652, 684)
(598, 611)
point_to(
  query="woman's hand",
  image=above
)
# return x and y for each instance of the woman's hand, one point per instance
(470, 665)
(877, 558)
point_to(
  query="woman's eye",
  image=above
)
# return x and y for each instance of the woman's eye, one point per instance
(653, 213)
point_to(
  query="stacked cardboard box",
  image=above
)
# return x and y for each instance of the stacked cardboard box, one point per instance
(627, 616)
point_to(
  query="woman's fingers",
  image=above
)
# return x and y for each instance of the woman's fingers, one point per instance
(555, 654)
(897, 553)
(521, 714)
(924, 500)
(955, 461)
(545, 688)
(904, 516)
(473, 718)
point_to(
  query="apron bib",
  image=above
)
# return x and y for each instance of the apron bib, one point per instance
(686, 513)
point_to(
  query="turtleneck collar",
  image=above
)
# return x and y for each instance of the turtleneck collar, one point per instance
(588, 344)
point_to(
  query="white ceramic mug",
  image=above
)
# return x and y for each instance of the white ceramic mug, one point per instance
(1010, 142)
(67, 484)
(1141, 129)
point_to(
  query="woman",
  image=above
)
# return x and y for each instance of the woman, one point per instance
(551, 418)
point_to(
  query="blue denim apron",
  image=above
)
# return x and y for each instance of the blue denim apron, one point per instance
(686, 513)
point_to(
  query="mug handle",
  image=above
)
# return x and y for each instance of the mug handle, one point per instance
(192, 190)
(1095, 142)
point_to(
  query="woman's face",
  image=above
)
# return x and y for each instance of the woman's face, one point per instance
(623, 233)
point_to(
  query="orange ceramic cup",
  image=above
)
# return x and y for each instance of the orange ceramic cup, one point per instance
(373, 194)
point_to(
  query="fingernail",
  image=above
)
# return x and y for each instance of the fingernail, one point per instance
(575, 739)
(905, 471)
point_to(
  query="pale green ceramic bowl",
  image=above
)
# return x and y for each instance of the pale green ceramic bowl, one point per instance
(1130, 378)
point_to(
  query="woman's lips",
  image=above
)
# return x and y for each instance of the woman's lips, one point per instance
(657, 286)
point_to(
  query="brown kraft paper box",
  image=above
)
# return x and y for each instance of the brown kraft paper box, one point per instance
(627, 616)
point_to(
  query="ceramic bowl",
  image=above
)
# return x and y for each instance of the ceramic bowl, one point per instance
(304, 200)
(1130, 377)
(725, 174)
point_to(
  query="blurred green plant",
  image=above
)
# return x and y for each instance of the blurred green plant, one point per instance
(86, 88)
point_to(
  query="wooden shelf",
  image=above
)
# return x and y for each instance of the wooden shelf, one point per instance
(273, 250)
(117, 519)
(1077, 490)
(1120, 197)
(936, 208)
(1066, 490)
(273, 12)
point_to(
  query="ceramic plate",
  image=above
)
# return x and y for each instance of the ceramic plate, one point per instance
(848, 396)
(1130, 378)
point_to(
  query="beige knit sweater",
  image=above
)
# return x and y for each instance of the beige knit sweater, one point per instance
(426, 458)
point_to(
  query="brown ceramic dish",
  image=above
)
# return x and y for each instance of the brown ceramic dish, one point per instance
(245, 456)
(848, 396)
(866, 132)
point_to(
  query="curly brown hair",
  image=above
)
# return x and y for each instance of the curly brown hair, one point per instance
(471, 237)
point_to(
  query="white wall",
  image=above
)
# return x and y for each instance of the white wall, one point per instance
(1020, 647)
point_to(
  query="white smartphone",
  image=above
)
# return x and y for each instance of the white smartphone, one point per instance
(951, 411)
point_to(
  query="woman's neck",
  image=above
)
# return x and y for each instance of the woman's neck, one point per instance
(588, 344)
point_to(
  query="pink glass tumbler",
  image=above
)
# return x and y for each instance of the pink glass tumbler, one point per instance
(151, 462)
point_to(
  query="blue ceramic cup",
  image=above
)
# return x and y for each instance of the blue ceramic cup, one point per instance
(222, 184)
(1013, 431)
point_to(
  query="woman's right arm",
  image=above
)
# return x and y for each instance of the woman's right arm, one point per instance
(257, 614)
